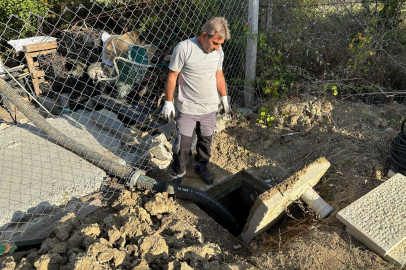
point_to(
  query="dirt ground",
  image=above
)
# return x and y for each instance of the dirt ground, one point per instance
(141, 230)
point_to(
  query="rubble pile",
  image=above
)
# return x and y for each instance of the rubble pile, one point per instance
(139, 231)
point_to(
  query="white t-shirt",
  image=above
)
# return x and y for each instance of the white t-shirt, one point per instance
(197, 78)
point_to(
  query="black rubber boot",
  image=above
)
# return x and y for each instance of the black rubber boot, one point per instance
(205, 175)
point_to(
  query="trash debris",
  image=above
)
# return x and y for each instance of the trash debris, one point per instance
(81, 43)
(119, 46)
(68, 76)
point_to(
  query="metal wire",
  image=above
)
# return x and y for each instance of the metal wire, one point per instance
(77, 86)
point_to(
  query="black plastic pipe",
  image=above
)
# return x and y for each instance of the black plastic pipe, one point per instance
(204, 200)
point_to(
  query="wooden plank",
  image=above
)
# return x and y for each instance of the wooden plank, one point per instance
(35, 54)
(40, 46)
(38, 73)
(36, 82)
(30, 63)
(31, 53)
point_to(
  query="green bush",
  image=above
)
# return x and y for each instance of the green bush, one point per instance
(358, 48)
(25, 10)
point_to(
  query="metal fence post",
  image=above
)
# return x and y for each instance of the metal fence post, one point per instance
(251, 55)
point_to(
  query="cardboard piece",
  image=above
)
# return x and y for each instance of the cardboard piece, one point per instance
(120, 43)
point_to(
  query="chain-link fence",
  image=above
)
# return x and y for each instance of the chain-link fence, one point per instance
(96, 73)
(343, 48)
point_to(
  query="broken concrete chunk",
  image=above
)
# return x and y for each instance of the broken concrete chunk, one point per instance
(157, 164)
(160, 152)
(271, 205)
(159, 139)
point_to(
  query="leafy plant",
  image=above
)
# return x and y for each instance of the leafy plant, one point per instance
(24, 10)
(265, 117)
(276, 77)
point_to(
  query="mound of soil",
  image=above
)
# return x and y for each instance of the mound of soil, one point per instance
(140, 230)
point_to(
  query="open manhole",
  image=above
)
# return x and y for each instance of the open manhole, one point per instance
(257, 207)
(238, 194)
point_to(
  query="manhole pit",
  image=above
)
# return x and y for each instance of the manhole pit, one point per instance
(238, 194)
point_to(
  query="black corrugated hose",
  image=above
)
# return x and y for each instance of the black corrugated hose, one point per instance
(202, 199)
(397, 152)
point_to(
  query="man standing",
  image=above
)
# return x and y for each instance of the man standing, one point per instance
(198, 64)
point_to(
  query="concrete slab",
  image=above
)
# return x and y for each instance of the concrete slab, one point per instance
(271, 205)
(379, 216)
(397, 255)
(37, 174)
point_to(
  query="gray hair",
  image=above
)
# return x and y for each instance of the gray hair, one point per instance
(217, 25)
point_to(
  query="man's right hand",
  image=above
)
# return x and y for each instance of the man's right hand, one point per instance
(168, 110)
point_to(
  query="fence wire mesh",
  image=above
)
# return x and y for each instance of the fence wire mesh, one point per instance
(96, 73)
(343, 48)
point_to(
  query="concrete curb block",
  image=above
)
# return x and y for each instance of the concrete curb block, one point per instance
(271, 205)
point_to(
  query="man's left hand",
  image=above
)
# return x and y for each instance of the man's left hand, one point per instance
(224, 101)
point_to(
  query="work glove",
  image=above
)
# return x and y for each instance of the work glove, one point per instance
(168, 110)
(224, 101)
